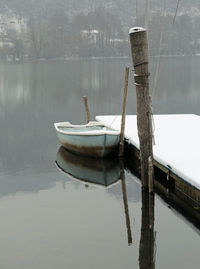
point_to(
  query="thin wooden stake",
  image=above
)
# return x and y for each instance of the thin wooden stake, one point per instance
(86, 108)
(121, 145)
(139, 48)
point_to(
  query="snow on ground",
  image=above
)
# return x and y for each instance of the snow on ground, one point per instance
(177, 139)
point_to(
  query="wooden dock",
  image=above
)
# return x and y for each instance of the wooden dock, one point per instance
(176, 155)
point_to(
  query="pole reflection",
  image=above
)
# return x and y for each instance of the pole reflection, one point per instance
(126, 210)
(147, 239)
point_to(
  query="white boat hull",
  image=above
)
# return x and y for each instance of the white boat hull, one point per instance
(92, 139)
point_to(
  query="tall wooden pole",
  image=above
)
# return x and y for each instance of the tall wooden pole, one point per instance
(121, 145)
(139, 49)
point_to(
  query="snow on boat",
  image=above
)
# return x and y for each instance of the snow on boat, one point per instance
(92, 139)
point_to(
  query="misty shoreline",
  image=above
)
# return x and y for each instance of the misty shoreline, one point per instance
(91, 58)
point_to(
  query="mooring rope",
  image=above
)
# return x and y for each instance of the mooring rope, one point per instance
(114, 119)
(136, 11)
(146, 23)
(156, 76)
(157, 72)
(177, 6)
(158, 68)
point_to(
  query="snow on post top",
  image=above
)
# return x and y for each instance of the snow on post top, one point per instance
(136, 29)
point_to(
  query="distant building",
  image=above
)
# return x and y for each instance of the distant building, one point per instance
(5, 41)
(11, 26)
(98, 37)
(91, 36)
(117, 41)
(11, 22)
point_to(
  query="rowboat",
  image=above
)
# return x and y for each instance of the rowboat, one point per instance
(96, 171)
(92, 139)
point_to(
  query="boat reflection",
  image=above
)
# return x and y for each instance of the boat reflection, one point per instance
(103, 172)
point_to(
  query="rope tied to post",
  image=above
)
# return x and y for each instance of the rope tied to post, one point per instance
(139, 78)
(152, 121)
(140, 63)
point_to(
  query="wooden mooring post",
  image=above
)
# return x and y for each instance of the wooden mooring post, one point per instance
(139, 49)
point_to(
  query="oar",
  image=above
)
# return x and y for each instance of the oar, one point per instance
(86, 108)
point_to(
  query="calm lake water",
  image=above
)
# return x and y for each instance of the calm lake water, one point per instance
(48, 219)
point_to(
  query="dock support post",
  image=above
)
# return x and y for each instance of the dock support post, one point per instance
(87, 108)
(139, 49)
(121, 145)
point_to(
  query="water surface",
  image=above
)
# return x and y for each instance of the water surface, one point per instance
(51, 220)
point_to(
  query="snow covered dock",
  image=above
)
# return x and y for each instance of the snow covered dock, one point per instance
(177, 143)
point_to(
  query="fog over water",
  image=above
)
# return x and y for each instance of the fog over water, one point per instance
(51, 220)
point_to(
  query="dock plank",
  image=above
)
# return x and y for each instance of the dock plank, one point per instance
(177, 139)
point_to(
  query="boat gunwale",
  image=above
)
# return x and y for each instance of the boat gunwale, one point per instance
(85, 133)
